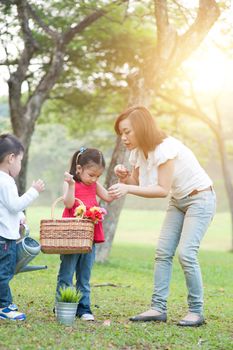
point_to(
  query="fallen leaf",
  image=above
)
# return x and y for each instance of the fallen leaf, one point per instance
(107, 323)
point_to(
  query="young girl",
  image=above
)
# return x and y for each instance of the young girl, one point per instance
(87, 165)
(11, 215)
(162, 164)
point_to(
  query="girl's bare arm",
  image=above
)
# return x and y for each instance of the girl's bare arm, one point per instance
(103, 193)
(68, 190)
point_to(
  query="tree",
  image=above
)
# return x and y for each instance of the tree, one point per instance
(171, 50)
(43, 40)
(50, 40)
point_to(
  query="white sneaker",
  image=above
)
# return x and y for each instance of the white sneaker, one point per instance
(7, 314)
(87, 317)
(13, 307)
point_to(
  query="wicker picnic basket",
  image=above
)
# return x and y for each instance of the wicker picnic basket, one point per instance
(66, 235)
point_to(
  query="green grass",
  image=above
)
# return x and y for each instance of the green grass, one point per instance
(130, 271)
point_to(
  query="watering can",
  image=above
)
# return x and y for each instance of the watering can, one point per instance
(27, 249)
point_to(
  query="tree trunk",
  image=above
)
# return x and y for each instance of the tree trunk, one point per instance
(114, 208)
(137, 96)
(21, 180)
(23, 128)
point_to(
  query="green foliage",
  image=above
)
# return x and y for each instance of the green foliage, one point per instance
(51, 151)
(4, 116)
(69, 295)
(5, 126)
(49, 158)
(94, 83)
(4, 108)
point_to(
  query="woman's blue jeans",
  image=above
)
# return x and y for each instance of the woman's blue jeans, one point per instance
(185, 224)
(81, 265)
(7, 269)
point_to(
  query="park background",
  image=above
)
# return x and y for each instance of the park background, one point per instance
(107, 66)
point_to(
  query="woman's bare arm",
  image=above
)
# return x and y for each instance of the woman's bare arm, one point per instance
(124, 175)
(160, 190)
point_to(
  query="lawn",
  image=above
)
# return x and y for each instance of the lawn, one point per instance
(142, 227)
(130, 270)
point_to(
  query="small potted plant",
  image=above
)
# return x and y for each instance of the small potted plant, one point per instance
(66, 305)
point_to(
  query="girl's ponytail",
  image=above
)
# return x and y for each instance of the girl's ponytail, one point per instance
(81, 151)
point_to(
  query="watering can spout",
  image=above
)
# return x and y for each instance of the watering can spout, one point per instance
(33, 268)
(27, 249)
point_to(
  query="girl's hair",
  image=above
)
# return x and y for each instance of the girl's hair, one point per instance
(9, 144)
(147, 133)
(86, 157)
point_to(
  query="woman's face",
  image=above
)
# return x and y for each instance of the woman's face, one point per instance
(127, 134)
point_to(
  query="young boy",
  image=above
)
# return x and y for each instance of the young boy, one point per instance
(11, 215)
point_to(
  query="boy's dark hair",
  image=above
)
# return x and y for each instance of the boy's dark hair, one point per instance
(86, 157)
(9, 144)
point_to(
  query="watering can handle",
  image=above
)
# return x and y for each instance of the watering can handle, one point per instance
(24, 230)
(59, 200)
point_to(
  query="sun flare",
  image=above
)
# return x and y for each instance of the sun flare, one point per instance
(211, 73)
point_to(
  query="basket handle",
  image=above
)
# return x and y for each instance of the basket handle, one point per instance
(59, 200)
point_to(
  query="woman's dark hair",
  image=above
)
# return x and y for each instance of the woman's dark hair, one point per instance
(9, 144)
(86, 157)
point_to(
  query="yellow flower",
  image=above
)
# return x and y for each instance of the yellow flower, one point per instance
(93, 209)
(80, 210)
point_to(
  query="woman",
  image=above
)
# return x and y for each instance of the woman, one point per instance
(162, 164)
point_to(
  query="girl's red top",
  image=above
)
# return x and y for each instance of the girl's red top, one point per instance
(87, 194)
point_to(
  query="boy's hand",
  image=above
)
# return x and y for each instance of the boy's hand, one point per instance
(23, 221)
(121, 172)
(39, 185)
(24, 230)
(68, 178)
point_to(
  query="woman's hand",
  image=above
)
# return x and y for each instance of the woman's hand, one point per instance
(121, 172)
(118, 190)
(68, 178)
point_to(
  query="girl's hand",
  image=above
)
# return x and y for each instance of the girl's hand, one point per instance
(39, 185)
(121, 172)
(68, 178)
(118, 190)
